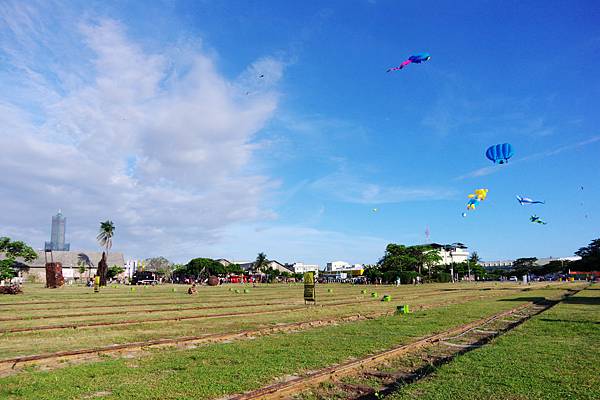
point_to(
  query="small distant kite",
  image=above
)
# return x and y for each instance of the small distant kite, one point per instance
(261, 76)
(417, 59)
(527, 200)
(375, 210)
(536, 220)
(475, 197)
(499, 153)
(464, 214)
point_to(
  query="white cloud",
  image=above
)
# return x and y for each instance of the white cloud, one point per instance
(162, 145)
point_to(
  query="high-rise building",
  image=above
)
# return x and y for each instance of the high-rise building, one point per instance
(57, 236)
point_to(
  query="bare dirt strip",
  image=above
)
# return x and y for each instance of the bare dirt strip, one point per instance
(154, 310)
(152, 320)
(206, 306)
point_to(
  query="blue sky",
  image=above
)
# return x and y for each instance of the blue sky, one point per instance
(153, 114)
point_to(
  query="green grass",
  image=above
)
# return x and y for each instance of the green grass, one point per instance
(555, 355)
(218, 369)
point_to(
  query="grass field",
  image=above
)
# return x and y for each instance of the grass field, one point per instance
(555, 355)
(216, 369)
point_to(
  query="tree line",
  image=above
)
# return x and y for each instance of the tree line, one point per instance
(423, 262)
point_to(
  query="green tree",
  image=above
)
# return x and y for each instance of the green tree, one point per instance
(524, 266)
(397, 258)
(553, 267)
(114, 271)
(261, 263)
(373, 273)
(430, 258)
(204, 267)
(13, 250)
(160, 265)
(473, 263)
(298, 276)
(590, 257)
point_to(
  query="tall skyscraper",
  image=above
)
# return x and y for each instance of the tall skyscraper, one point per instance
(57, 236)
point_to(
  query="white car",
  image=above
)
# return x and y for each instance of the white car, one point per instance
(513, 279)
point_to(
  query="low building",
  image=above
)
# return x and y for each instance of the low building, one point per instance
(131, 266)
(301, 268)
(335, 266)
(451, 253)
(342, 270)
(503, 265)
(71, 262)
(547, 260)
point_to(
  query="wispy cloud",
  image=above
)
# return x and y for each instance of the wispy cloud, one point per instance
(493, 169)
(343, 186)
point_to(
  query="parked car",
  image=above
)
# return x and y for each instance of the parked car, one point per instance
(513, 279)
(144, 278)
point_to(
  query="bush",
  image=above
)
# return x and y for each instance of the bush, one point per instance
(443, 277)
(407, 277)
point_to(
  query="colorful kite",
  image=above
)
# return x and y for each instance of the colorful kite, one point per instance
(536, 220)
(417, 59)
(527, 200)
(499, 153)
(475, 197)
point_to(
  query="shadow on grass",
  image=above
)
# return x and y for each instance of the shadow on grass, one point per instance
(473, 289)
(569, 321)
(537, 299)
(582, 300)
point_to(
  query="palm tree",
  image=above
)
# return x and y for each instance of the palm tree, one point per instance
(473, 260)
(107, 230)
(261, 262)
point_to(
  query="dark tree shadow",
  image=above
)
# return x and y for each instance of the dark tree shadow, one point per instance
(583, 300)
(568, 321)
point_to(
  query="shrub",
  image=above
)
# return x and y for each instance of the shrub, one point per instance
(443, 277)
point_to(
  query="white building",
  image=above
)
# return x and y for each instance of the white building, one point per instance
(335, 266)
(497, 264)
(451, 253)
(130, 267)
(300, 268)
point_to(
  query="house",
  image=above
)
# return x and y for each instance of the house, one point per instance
(450, 253)
(71, 261)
